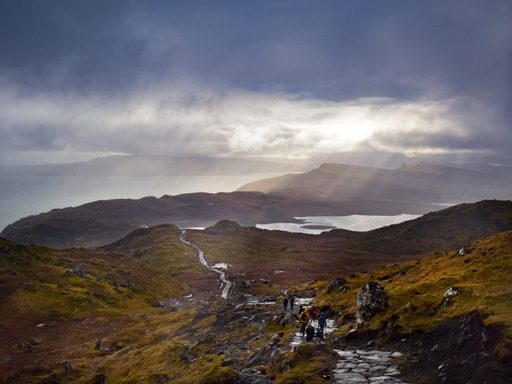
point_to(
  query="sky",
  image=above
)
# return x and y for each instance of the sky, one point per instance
(428, 80)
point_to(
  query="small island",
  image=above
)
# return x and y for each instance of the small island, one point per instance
(320, 227)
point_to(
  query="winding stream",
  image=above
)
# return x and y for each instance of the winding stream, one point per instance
(226, 285)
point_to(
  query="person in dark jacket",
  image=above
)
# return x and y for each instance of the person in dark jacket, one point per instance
(292, 300)
(310, 332)
(285, 303)
(322, 322)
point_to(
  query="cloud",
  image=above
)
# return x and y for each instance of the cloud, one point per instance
(267, 78)
(172, 120)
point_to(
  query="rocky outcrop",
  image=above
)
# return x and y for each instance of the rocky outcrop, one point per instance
(448, 295)
(461, 350)
(370, 299)
(79, 270)
(338, 285)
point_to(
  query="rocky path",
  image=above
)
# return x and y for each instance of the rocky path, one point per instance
(226, 285)
(297, 337)
(357, 366)
(362, 366)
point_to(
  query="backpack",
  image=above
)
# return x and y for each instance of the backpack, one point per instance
(310, 333)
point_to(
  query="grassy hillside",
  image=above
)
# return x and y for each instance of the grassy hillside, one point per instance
(482, 277)
(55, 304)
(286, 258)
(442, 230)
(35, 279)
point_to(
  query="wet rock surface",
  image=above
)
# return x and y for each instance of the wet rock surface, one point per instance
(361, 366)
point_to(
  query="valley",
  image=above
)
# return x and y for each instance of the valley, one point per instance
(79, 315)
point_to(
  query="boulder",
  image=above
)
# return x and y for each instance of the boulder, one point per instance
(370, 299)
(277, 336)
(227, 361)
(450, 292)
(337, 285)
(79, 270)
(286, 319)
(276, 353)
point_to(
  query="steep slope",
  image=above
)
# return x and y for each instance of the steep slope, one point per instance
(464, 336)
(420, 183)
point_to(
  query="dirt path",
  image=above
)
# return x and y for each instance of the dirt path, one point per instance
(226, 285)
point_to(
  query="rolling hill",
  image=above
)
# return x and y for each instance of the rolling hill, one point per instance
(102, 222)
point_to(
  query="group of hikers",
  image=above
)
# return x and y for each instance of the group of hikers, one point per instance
(312, 322)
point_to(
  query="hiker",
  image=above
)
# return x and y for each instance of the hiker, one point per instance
(285, 303)
(310, 332)
(319, 332)
(292, 300)
(314, 313)
(322, 322)
(304, 320)
(301, 308)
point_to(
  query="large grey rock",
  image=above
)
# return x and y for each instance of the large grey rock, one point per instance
(370, 299)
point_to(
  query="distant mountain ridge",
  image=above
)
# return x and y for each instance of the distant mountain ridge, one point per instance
(144, 165)
(425, 183)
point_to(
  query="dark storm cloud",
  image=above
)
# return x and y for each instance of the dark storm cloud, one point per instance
(340, 49)
(96, 54)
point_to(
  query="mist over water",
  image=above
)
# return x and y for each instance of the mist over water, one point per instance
(21, 196)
